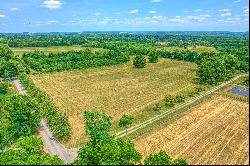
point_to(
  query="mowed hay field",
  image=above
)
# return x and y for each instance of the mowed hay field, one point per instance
(115, 90)
(214, 132)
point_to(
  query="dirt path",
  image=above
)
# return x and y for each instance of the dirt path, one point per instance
(51, 144)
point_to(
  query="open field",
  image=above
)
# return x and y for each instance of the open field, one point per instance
(212, 132)
(115, 90)
(52, 49)
(198, 49)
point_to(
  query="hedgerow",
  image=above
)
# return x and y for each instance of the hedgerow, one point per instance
(57, 120)
(40, 62)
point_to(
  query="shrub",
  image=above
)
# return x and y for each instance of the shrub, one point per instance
(139, 62)
(180, 98)
(125, 121)
(169, 101)
(4, 86)
(153, 58)
(157, 107)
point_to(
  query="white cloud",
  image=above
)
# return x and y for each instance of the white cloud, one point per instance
(133, 11)
(2, 16)
(52, 4)
(52, 22)
(198, 10)
(152, 11)
(226, 14)
(237, 1)
(14, 9)
(186, 11)
(103, 22)
(97, 14)
(224, 10)
(175, 20)
(246, 11)
(155, 1)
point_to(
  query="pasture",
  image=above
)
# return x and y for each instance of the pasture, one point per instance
(116, 90)
(199, 49)
(52, 49)
(212, 132)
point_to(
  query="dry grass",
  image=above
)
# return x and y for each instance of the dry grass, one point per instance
(214, 132)
(198, 49)
(52, 49)
(115, 90)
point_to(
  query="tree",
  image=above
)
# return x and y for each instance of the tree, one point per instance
(28, 151)
(153, 57)
(162, 158)
(20, 112)
(9, 69)
(115, 152)
(4, 86)
(98, 127)
(6, 53)
(125, 121)
(140, 62)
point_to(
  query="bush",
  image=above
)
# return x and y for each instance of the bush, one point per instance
(125, 121)
(139, 62)
(169, 101)
(4, 86)
(180, 98)
(153, 58)
(162, 158)
(157, 107)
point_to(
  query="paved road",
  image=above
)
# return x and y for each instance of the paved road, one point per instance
(178, 107)
(51, 144)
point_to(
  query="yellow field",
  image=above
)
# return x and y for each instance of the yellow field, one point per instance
(198, 49)
(52, 49)
(214, 132)
(115, 90)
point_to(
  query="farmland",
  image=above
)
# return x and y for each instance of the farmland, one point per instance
(114, 90)
(213, 132)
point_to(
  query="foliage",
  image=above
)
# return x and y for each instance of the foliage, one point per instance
(41, 62)
(180, 98)
(28, 151)
(162, 158)
(47, 109)
(98, 127)
(153, 57)
(169, 101)
(125, 121)
(139, 62)
(115, 152)
(157, 107)
(216, 69)
(19, 118)
(4, 86)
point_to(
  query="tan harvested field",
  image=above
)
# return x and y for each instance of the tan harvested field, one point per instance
(115, 90)
(213, 132)
(52, 49)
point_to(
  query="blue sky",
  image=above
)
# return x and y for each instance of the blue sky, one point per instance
(123, 15)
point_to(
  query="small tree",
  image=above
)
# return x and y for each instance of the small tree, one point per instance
(19, 111)
(153, 58)
(162, 158)
(169, 101)
(98, 127)
(125, 121)
(140, 62)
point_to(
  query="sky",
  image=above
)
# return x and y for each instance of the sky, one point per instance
(123, 15)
